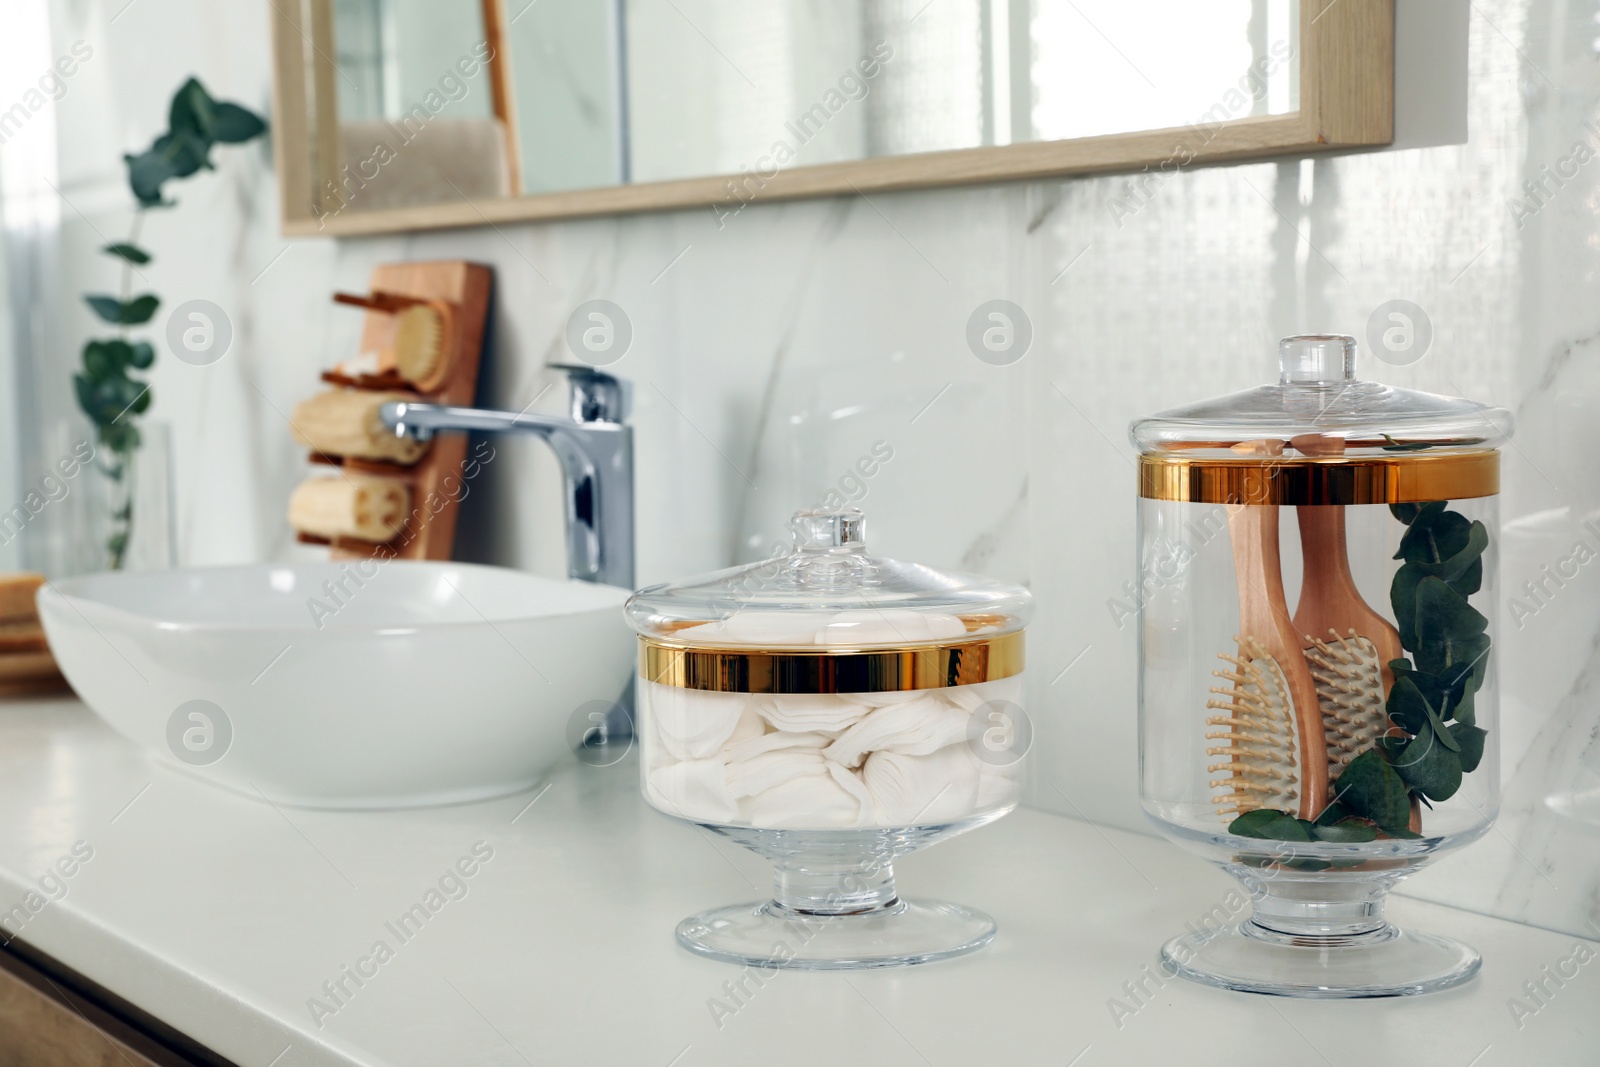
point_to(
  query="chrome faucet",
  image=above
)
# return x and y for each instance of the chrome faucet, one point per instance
(595, 448)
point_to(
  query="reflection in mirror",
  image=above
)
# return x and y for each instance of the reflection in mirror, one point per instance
(715, 88)
(601, 93)
(416, 116)
(565, 59)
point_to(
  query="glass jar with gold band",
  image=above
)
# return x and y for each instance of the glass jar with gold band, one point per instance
(832, 710)
(1318, 712)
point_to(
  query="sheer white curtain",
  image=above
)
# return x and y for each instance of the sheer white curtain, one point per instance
(37, 417)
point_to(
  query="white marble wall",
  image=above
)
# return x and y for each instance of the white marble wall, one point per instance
(770, 353)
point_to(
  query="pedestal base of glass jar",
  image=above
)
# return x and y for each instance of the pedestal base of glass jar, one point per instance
(1384, 962)
(768, 936)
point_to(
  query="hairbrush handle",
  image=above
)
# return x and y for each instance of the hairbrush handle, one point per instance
(1264, 619)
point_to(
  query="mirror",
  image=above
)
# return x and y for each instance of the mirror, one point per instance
(508, 109)
(798, 83)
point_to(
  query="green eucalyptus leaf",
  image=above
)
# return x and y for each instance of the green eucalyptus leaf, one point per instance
(1426, 765)
(100, 361)
(1470, 580)
(1407, 707)
(129, 252)
(232, 124)
(1406, 513)
(99, 399)
(1333, 813)
(146, 172)
(1470, 740)
(1423, 518)
(119, 352)
(141, 355)
(1435, 537)
(1371, 788)
(1347, 831)
(1268, 824)
(1252, 823)
(1450, 632)
(130, 313)
(185, 153)
(1464, 709)
(1452, 551)
(109, 308)
(140, 309)
(191, 110)
(1441, 731)
(1434, 690)
(1456, 678)
(1289, 829)
(1403, 599)
(1404, 834)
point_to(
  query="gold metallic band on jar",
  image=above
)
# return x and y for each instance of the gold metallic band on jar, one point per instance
(1398, 479)
(888, 670)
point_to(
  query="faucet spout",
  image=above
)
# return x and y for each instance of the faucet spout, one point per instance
(596, 456)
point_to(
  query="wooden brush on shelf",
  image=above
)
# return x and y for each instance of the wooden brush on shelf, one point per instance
(1271, 727)
(390, 496)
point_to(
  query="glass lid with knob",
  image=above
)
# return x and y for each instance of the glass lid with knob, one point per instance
(1318, 396)
(828, 593)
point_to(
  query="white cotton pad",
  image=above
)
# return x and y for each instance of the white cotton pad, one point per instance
(736, 751)
(767, 629)
(801, 713)
(749, 727)
(969, 698)
(752, 777)
(851, 782)
(693, 724)
(915, 790)
(810, 802)
(889, 626)
(917, 728)
(694, 789)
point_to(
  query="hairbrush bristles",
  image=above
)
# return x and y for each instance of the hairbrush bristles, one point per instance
(1350, 693)
(1262, 741)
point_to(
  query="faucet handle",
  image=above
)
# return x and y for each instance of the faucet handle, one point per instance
(595, 395)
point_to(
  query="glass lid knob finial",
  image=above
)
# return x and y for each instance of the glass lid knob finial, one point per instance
(1309, 359)
(827, 529)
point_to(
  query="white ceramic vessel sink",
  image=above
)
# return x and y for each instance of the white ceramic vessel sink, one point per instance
(321, 685)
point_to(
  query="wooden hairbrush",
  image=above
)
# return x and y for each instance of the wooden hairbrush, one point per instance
(1272, 727)
(1351, 664)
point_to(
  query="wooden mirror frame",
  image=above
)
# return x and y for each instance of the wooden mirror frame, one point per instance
(1346, 102)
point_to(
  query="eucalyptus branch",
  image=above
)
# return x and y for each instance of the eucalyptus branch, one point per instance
(111, 397)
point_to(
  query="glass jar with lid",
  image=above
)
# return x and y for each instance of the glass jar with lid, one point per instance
(1318, 713)
(832, 710)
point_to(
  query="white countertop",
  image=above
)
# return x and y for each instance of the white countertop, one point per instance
(223, 916)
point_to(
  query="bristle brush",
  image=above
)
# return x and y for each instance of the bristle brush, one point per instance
(1347, 644)
(1276, 753)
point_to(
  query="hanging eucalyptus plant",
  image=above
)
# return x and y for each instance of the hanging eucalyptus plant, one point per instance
(111, 397)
